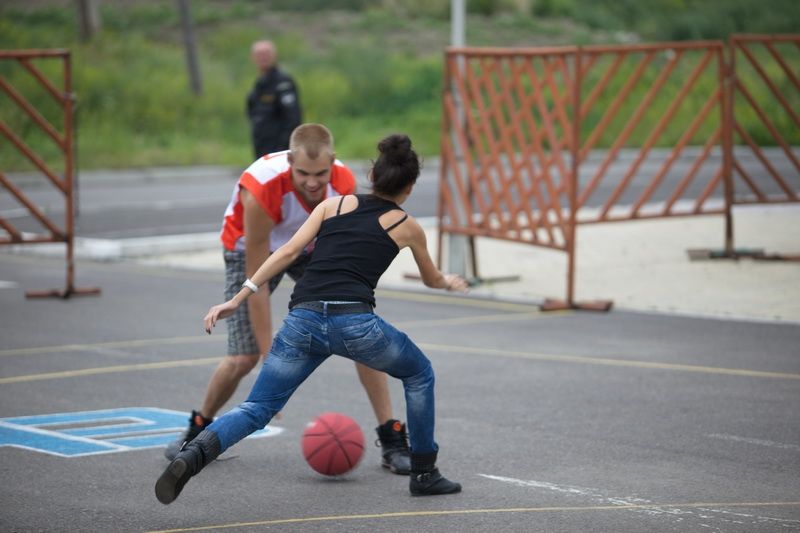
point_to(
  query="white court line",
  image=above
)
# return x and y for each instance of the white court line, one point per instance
(677, 514)
(758, 442)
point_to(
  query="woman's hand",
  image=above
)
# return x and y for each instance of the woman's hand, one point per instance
(454, 282)
(218, 312)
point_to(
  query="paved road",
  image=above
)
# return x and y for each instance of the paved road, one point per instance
(556, 422)
(161, 202)
(178, 201)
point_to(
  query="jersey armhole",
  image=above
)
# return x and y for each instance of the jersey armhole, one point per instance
(267, 195)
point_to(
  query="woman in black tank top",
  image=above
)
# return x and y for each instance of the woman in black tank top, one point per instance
(331, 312)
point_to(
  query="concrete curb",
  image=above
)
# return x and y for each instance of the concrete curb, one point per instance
(110, 250)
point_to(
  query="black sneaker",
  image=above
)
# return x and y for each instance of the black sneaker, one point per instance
(432, 484)
(197, 423)
(393, 441)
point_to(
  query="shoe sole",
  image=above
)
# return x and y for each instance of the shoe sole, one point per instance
(169, 484)
(394, 470)
(456, 491)
(431, 490)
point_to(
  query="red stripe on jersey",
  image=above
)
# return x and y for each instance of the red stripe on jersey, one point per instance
(270, 194)
(269, 180)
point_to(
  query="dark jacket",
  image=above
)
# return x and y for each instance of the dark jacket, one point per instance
(273, 107)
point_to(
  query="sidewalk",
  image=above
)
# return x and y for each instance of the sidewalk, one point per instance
(641, 266)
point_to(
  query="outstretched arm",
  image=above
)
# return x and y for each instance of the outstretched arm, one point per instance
(431, 276)
(277, 262)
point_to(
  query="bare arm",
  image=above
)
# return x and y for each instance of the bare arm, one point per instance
(257, 228)
(277, 262)
(414, 237)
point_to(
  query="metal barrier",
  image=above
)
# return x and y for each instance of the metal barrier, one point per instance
(521, 129)
(777, 107)
(668, 79)
(764, 86)
(64, 141)
(508, 177)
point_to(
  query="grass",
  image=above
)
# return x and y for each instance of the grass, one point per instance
(363, 73)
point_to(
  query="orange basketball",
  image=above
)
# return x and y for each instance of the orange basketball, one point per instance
(333, 444)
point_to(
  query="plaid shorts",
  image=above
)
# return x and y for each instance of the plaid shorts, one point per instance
(241, 339)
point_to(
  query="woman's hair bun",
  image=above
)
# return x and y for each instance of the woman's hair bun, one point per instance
(395, 148)
(397, 166)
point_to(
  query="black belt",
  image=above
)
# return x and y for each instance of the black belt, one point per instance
(335, 308)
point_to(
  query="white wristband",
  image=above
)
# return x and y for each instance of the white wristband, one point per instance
(250, 285)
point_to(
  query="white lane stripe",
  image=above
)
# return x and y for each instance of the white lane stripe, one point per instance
(8, 284)
(568, 489)
(676, 513)
(758, 442)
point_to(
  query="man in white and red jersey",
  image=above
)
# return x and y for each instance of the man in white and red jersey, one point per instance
(272, 199)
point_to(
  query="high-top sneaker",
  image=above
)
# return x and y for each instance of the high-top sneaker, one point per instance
(393, 441)
(426, 479)
(197, 423)
(190, 460)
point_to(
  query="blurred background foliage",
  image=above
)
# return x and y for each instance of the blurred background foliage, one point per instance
(365, 68)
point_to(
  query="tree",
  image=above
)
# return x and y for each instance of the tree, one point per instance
(191, 48)
(88, 19)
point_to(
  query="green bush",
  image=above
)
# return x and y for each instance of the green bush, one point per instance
(552, 8)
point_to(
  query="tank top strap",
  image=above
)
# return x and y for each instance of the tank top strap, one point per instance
(390, 228)
(339, 209)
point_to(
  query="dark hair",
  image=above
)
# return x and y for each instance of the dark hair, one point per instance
(397, 166)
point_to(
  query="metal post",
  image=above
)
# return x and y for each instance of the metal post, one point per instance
(574, 178)
(728, 82)
(67, 100)
(573, 186)
(457, 244)
(68, 169)
(457, 22)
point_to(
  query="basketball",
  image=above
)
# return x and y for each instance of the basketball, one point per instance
(333, 444)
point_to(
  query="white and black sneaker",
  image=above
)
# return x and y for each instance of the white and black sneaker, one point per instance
(395, 453)
(197, 423)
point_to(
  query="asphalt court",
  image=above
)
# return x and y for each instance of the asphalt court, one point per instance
(569, 421)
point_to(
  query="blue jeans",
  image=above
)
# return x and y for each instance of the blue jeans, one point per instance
(304, 341)
(241, 338)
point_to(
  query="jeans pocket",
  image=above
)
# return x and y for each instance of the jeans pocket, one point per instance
(365, 341)
(291, 344)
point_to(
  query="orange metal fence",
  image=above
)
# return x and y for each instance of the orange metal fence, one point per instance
(678, 88)
(62, 137)
(508, 176)
(521, 130)
(767, 60)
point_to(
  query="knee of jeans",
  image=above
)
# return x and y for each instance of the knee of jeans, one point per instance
(423, 379)
(258, 414)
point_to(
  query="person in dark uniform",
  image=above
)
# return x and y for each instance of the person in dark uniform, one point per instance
(273, 106)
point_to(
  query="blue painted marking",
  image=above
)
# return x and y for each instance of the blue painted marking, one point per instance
(50, 442)
(96, 432)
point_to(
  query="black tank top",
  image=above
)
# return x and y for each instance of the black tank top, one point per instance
(351, 253)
